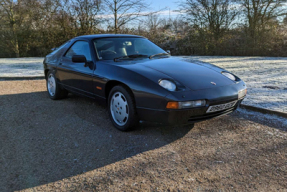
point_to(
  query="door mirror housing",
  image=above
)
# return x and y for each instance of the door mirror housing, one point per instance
(168, 51)
(79, 59)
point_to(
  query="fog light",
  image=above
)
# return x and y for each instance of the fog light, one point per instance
(185, 104)
(192, 104)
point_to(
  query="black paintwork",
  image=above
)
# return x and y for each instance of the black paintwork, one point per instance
(141, 76)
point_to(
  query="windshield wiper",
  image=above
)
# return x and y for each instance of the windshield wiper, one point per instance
(159, 54)
(130, 57)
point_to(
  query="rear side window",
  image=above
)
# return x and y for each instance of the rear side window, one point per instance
(59, 48)
(80, 48)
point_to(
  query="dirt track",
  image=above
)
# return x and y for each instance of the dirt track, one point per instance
(70, 145)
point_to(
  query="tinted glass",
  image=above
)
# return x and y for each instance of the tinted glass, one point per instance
(80, 48)
(110, 48)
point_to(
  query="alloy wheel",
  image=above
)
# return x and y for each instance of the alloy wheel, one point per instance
(119, 108)
(51, 82)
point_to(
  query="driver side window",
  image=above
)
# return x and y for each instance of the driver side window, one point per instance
(80, 48)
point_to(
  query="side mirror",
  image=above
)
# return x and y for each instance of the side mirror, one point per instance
(79, 59)
(168, 51)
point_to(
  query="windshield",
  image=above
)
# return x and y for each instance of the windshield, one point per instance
(114, 48)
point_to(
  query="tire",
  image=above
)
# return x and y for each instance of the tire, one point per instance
(122, 109)
(54, 89)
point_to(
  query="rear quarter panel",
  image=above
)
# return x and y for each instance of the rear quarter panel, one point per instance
(53, 59)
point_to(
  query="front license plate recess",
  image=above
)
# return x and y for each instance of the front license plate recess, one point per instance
(220, 107)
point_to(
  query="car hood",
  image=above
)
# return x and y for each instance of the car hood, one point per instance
(192, 75)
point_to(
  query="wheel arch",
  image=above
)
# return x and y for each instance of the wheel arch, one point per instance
(112, 83)
(46, 73)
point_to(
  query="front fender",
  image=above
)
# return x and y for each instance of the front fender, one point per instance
(147, 92)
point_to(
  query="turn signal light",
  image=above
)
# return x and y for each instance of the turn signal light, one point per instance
(172, 105)
(242, 93)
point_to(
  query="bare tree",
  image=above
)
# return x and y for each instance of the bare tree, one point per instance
(214, 15)
(84, 12)
(153, 22)
(11, 20)
(261, 14)
(125, 11)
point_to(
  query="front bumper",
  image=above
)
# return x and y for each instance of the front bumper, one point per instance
(214, 96)
(182, 116)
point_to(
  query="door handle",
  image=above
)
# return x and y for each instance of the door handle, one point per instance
(88, 64)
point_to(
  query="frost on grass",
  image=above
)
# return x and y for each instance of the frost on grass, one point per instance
(21, 67)
(266, 78)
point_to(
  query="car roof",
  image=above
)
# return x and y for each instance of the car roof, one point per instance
(106, 36)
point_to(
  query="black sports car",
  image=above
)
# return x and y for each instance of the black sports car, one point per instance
(140, 81)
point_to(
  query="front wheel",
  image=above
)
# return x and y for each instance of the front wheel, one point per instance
(122, 109)
(53, 88)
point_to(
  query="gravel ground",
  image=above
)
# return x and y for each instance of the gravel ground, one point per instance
(70, 145)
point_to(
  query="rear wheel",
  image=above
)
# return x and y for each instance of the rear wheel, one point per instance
(122, 109)
(53, 88)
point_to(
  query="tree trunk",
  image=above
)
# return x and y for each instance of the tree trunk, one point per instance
(15, 41)
(17, 48)
(116, 17)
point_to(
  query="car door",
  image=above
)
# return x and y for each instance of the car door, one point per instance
(77, 77)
